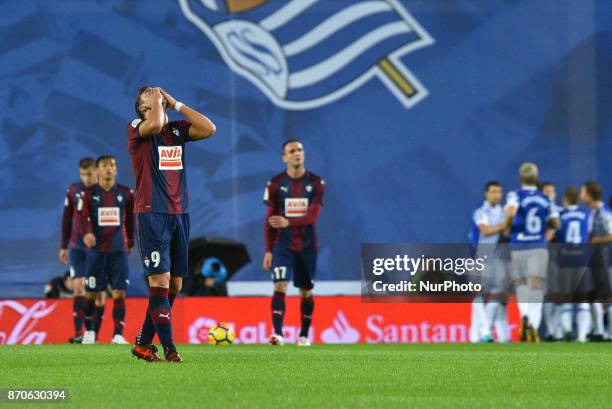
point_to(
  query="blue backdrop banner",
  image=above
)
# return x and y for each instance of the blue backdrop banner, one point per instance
(406, 108)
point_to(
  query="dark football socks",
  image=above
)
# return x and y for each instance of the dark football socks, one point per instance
(159, 310)
(78, 310)
(148, 329)
(89, 312)
(98, 315)
(306, 307)
(118, 316)
(278, 311)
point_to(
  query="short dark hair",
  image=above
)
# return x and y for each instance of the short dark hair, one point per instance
(287, 142)
(103, 158)
(492, 183)
(87, 162)
(544, 184)
(137, 103)
(593, 189)
(572, 195)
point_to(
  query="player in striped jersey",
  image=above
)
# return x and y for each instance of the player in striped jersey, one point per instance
(107, 215)
(488, 223)
(601, 239)
(293, 199)
(72, 239)
(157, 151)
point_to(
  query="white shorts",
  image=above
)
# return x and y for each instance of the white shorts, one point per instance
(529, 263)
(498, 278)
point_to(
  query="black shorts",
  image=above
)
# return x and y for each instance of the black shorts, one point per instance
(301, 265)
(107, 268)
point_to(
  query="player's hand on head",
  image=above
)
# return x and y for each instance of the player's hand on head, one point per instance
(63, 256)
(169, 98)
(278, 222)
(154, 94)
(267, 261)
(90, 240)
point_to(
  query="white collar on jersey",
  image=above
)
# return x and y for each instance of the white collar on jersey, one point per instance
(529, 187)
(487, 205)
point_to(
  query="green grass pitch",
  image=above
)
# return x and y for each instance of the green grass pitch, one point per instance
(323, 376)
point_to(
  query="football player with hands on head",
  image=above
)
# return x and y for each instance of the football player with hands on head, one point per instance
(157, 151)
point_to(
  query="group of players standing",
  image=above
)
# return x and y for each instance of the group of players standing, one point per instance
(101, 218)
(556, 260)
(97, 226)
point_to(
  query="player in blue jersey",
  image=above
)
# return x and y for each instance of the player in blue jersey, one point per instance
(572, 262)
(600, 242)
(488, 223)
(529, 213)
(73, 240)
(293, 199)
(157, 151)
(108, 209)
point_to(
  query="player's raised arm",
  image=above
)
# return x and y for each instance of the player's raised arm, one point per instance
(149, 105)
(201, 127)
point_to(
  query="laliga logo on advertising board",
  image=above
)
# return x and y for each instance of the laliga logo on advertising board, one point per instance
(255, 333)
(22, 332)
(198, 331)
(307, 62)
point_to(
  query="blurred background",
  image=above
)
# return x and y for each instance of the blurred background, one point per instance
(406, 108)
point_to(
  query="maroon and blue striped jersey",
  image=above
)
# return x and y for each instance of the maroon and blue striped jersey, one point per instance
(73, 204)
(109, 215)
(298, 200)
(159, 165)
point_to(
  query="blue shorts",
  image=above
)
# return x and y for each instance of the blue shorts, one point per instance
(301, 265)
(78, 261)
(107, 268)
(163, 240)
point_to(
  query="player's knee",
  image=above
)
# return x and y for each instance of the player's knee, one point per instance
(176, 285)
(79, 286)
(536, 282)
(118, 294)
(280, 286)
(305, 293)
(160, 280)
(100, 299)
(522, 281)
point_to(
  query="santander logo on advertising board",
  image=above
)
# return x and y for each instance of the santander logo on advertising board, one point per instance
(25, 319)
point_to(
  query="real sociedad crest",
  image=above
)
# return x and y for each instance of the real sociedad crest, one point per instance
(304, 54)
